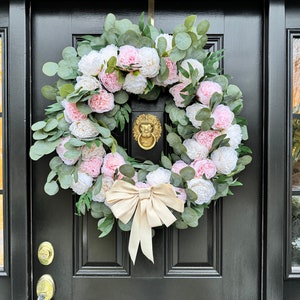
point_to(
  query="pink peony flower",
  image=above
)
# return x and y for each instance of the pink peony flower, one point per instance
(206, 138)
(61, 150)
(128, 57)
(102, 102)
(142, 184)
(176, 91)
(178, 165)
(91, 166)
(111, 162)
(71, 112)
(110, 81)
(206, 90)
(173, 72)
(204, 167)
(223, 117)
(180, 193)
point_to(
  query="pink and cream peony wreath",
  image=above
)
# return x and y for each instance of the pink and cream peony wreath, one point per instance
(91, 101)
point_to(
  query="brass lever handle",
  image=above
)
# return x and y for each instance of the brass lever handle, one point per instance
(45, 287)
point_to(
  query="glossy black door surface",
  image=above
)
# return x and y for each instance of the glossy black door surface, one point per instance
(220, 259)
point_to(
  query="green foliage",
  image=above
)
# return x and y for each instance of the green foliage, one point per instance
(188, 41)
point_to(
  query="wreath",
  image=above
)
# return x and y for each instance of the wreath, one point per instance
(96, 82)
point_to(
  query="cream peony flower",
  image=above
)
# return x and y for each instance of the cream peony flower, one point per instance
(135, 84)
(84, 129)
(149, 61)
(191, 112)
(203, 188)
(88, 83)
(83, 184)
(107, 183)
(90, 64)
(168, 38)
(160, 175)
(197, 65)
(195, 150)
(225, 159)
(107, 52)
(93, 151)
(234, 133)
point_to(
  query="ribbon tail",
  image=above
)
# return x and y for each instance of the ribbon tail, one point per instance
(134, 239)
(146, 239)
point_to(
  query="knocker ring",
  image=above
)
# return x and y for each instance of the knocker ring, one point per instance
(146, 131)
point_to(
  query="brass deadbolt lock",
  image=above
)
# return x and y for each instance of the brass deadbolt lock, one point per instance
(45, 253)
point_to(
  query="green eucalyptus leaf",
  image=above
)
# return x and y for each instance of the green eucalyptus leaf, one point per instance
(187, 173)
(38, 125)
(190, 21)
(125, 227)
(183, 41)
(50, 68)
(51, 124)
(203, 27)
(39, 135)
(69, 52)
(49, 92)
(66, 89)
(51, 188)
(127, 170)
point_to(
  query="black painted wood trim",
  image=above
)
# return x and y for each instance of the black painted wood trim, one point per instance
(18, 82)
(274, 151)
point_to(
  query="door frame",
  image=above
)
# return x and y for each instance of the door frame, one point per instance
(274, 188)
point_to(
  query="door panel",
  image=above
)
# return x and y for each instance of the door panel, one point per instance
(220, 259)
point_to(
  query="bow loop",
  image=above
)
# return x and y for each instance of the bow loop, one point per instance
(148, 207)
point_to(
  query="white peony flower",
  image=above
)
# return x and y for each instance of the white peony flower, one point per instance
(234, 133)
(203, 188)
(149, 62)
(135, 84)
(168, 38)
(84, 182)
(195, 150)
(191, 112)
(93, 151)
(160, 175)
(107, 183)
(196, 66)
(83, 129)
(225, 159)
(107, 52)
(87, 82)
(90, 64)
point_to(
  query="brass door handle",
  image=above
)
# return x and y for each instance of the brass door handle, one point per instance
(45, 287)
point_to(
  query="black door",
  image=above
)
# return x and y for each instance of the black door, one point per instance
(221, 258)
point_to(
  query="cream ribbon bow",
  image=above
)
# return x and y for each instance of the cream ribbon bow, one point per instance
(149, 207)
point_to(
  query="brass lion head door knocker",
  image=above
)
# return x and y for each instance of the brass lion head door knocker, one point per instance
(146, 130)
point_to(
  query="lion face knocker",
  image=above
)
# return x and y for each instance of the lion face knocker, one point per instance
(146, 131)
